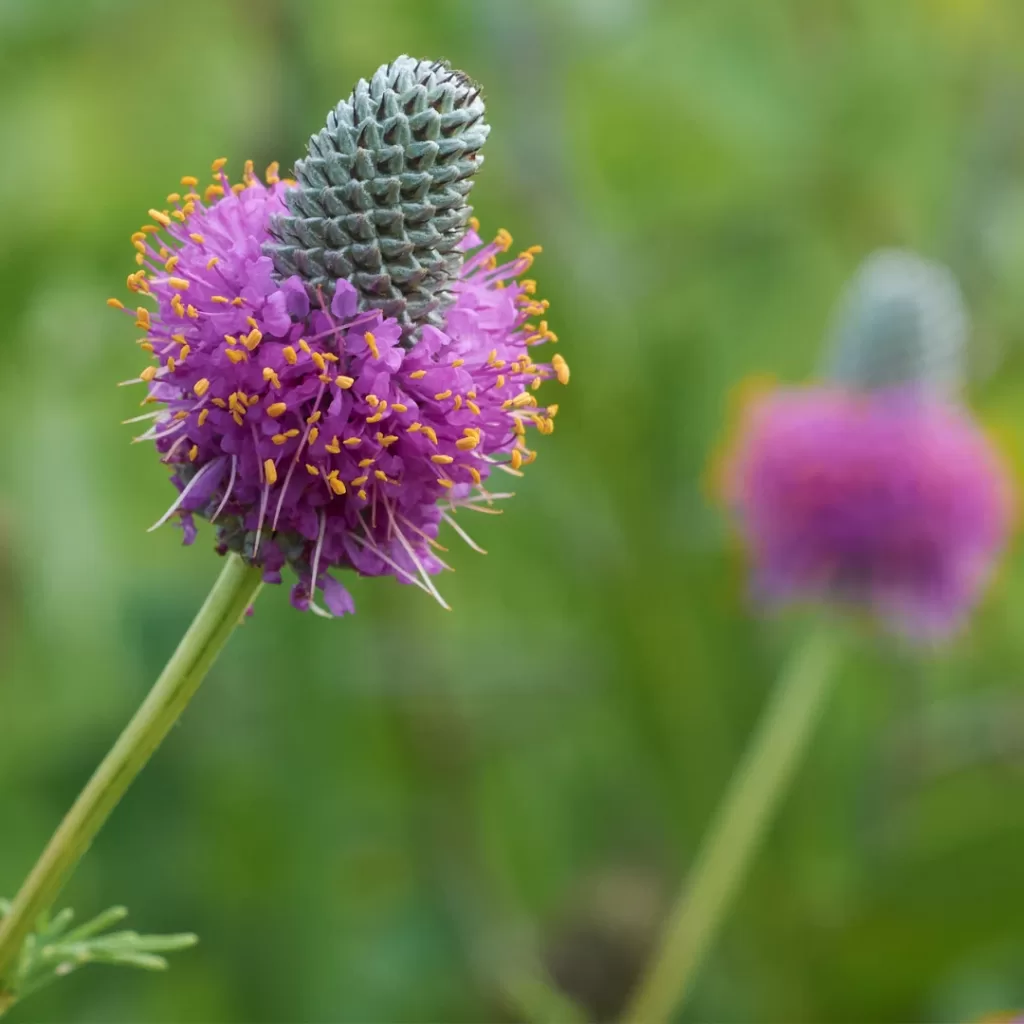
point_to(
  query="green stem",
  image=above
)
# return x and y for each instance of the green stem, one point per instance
(736, 832)
(231, 595)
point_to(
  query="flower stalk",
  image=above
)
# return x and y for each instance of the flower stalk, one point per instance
(736, 833)
(227, 602)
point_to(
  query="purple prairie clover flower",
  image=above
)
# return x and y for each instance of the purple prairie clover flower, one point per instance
(313, 431)
(891, 499)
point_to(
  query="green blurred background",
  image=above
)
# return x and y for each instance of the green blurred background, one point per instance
(390, 817)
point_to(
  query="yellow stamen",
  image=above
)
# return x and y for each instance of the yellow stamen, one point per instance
(218, 164)
(304, 345)
(313, 435)
(277, 409)
(193, 452)
(171, 263)
(236, 356)
(352, 442)
(315, 418)
(189, 182)
(252, 339)
(417, 374)
(115, 303)
(474, 473)
(148, 374)
(192, 311)
(363, 463)
(386, 439)
(380, 474)
(466, 444)
(212, 262)
(517, 459)
(344, 382)
(160, 218)
(430, 433)
(359, 481)
(400, 407)
(561, 368)
(273, 173)
(143, 318)
(444, 482)
(203, 413)
(336, 483)
(442, 395)
(312, 470)
(271, 471)
(197, 238)
(289, 355)
(441, 460)
(178, 283)
(271, 376)
(371, 342)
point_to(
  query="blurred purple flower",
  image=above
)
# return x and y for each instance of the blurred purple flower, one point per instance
(891, 499)
(316, 435)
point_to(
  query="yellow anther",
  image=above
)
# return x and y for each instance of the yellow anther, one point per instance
(252, 399)
(146, 346)
(178, 215)
(177, 305)
(188, 209)
(212, 262)
(330, 357)
(503, 240)
(318, 361)
(251, 321)
(178, 282)
(552, 411)
(247, 171)
(313, 435)
(458, 402)
(442, 395)
(289, 355)
(334, 447)
(413, 428)
(236, 356)
(359, 481)
(466, 444)
(474, 473)
(193, 453)
(213, 191)
(386, 439)
(218, 164)
(371, 343)
(252, 339)
(363, 463)
(335, 482)
(344, 382)
(150, 229)
(171, 364)
(500, 380)
(352, 442)
(203, 413)
(361, 493)
(189, 182)
(473, 407)
(312, 470)
(230, 339)
(315, 418)
(238, 187)
(380, 474)
(270, 376)
(373, 401)
(417, 374)
(142, 320)
(458, 362)
(536, 383)
(272, 174)
(237, 417)
(141, 246)
(517, 459)
(528, 286)
(237, 301)
(192, 311)
(219, 402)
(197, 238)
(441, 460)
(444, 482)
(430, 433)
(148, 373)
(400, 407)
(115, 303)
(304, 345)
(279, 439)
(561, 368)
(220, 300)
(139, 236)
(171, 263)
(375, 418)
(160, 217)
(271, 471)
(277, 409)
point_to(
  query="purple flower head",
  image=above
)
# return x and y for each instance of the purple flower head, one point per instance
(314, 432)
(890, 499)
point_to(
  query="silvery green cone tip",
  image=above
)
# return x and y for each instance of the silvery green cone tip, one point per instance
(901, 323)
(381, 196)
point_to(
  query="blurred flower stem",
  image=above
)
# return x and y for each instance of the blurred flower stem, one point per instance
(227, 602)
(736, 832)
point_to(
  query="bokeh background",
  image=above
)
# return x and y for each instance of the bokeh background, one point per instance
(401, 815)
